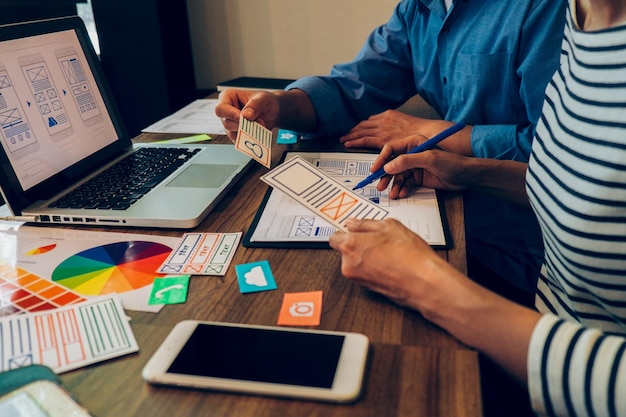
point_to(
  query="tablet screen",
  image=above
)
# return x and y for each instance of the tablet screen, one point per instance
(261, 355)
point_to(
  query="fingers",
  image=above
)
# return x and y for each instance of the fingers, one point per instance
(339, 240)
(336, 239)
(393, 148)
(343, 241)
(261, 107)
(406, 162)
(383, 183)
(369, 226)
(386, 154)
(362, 129)
(228, 109)
(365, 142)
(366, 134)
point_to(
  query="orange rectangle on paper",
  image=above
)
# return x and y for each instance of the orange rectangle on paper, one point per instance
(39, 285)
(52, 292)
(205, 249)
(26, 279)
(66, 298)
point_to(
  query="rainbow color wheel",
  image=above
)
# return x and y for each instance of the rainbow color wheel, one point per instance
(113, 268)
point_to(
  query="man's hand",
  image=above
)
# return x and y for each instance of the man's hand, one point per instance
(262, 107)
(390, 125)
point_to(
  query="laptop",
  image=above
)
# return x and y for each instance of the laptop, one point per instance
(60, 127)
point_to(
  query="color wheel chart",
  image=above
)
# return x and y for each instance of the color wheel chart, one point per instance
(87, 263)
(112, 268)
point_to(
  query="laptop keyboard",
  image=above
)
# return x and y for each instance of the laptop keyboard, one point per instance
(124, 183)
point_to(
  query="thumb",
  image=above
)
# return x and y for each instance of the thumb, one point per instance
(336, 238)
(363, 225)
(256, 107)
(249, 112)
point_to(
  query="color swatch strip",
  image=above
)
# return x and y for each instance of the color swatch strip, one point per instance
(22, 291)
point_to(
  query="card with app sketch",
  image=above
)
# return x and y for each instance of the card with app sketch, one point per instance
(255, 141)
(320, 193)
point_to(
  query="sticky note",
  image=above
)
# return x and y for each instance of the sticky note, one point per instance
(301, 309)
(286, 137)
(169, 290)
(255, 277)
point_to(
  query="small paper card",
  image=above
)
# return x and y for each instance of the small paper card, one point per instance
(169, 290)
(202, 254)
(301, 309)
(320, 193)
(255, 277)
(286, 137)
(255, 141)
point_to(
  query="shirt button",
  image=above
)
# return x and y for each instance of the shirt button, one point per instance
(445, 80)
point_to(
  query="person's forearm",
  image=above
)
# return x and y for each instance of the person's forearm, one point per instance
(459, 143)
(296, 111)
(482, 320)
(504, 179)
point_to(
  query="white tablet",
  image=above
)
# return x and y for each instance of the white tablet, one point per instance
(310, 364)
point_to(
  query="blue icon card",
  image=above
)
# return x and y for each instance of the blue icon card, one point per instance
(286, 137)
(255, 277)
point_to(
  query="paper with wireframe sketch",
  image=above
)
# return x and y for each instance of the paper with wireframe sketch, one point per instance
(320, 193)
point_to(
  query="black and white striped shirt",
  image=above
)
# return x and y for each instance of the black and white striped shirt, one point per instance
(576, 182)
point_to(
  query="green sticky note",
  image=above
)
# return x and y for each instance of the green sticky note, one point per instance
(169, 290)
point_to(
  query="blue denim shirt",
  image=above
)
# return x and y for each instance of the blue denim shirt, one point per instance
(485, 63)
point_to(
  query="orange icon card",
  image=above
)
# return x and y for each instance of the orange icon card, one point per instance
(301, 309)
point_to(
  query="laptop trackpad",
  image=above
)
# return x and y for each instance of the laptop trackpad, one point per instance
(203, 176)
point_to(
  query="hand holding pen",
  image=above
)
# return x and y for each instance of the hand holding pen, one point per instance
(429, 144)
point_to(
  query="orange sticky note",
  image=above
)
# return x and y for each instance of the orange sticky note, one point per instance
(301, 309)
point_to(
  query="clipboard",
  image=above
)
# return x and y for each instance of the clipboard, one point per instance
(302, 229)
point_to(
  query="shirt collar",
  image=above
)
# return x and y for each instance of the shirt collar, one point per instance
(436, 7)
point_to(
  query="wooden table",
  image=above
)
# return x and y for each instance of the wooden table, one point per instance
(414, 368)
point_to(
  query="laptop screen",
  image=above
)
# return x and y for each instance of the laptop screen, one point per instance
(57, 118)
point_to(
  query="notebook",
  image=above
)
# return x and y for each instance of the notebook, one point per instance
(60, 126)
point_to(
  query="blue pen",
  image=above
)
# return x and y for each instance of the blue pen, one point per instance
(429, 144)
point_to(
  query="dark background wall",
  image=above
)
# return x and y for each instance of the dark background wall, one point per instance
(145, 49)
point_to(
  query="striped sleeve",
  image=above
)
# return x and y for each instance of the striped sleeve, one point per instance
(576, 371)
